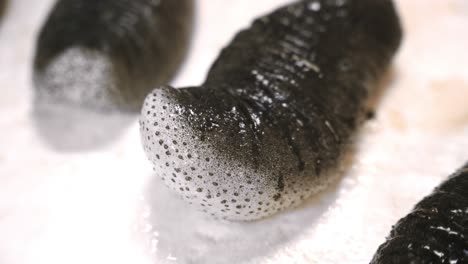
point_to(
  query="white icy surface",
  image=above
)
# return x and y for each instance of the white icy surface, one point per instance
(103, 206)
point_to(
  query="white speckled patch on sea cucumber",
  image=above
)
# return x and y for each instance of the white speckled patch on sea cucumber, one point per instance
(78, 76)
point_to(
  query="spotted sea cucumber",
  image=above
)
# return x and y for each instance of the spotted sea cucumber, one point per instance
(278, 110)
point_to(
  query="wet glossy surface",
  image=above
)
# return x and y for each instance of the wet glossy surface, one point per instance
(272, 122)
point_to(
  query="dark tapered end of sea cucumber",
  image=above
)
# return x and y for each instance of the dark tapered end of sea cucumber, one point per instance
(435, 231)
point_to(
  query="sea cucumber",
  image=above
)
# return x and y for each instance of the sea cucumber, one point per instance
(278, 110)
(109, 54)
(436, 231)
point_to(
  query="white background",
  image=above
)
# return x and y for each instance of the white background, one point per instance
(103, 206)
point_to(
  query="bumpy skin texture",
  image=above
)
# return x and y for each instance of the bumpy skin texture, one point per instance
(109, 54)
(436, 231)
(280, 105)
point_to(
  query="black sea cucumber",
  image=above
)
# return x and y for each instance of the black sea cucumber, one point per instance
(109, 54)
(278, 109)
(436, 231)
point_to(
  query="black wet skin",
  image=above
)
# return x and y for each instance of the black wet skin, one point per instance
(284, 100)
(436, 231)
(144, 40)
